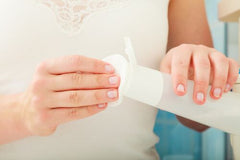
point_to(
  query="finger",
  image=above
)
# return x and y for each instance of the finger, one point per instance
(63, 115)
(202, 70)
(76, 63)
(233, 74)
(82, 98)
(166, 62)
(179, 71)
(78, 81)
(220, 66)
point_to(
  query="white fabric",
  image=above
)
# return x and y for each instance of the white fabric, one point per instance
(30, 33)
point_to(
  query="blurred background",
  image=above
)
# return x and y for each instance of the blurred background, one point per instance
(180, 143)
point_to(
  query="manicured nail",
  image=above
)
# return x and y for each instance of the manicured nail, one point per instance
(101, 105)
(112, 94)
(217, 92)
(200, 96)
(113, 80)
(109, 68)
(227, 88)
(180, 88)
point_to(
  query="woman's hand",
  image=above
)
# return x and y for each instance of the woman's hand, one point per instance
(67, 89)
(203, 65)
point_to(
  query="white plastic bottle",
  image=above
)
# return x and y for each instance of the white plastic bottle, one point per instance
(155, 88)
(235, 139)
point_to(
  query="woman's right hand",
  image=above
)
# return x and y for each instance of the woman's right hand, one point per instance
(67, 89)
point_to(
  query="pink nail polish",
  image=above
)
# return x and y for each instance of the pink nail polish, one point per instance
(109, 68)
(113, 80)
(180, 88)
(101, 105)
(112, 94)
(217, 92)
(227, 88)
(200, 96)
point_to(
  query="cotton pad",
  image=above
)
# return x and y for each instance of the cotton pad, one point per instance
(120, 65)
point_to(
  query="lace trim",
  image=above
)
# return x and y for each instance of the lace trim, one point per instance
(71, 14)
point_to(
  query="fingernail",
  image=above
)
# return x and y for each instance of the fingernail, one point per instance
(112, 94)
(109, 68)
(101, 105)
(200, 97)
(217, 92)
(180, 88)
(227, 88)
(113, 80)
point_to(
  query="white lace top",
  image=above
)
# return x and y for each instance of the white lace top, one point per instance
(71, 14)
(32, 31)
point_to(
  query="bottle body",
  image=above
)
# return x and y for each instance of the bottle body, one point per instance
(155, 88)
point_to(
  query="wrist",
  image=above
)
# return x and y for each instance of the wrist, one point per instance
(20, 116)
(12, 123)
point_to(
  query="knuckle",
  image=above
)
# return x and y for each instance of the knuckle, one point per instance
(39, 81)
(213, 54)
(201, 83)
(75, 98)
(182, 64)
(41, 67)
(170, 52)
(202, 47)
(222, 59)
(74, 112)
(76, 78)
(218, 57)
(37, 101)
(38, 84)
(184, 46)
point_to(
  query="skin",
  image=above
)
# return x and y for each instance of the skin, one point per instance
(191, 56)
(58, 94)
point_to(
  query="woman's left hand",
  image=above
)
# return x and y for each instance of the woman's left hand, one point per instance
(205, 66)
